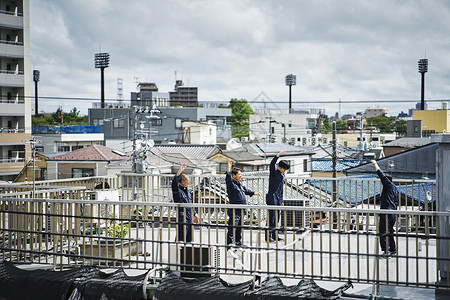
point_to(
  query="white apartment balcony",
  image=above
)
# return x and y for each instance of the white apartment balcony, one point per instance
(11, 19)
(12, 78)
(12, 108)
(11, 49)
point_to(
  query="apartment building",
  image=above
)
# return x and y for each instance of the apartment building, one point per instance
(15, 82)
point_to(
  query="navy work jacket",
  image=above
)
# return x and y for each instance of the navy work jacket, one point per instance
(276, 180)
(181, 195)
(236, 191)
(389, 195)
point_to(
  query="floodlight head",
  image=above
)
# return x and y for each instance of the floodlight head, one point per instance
(36, 75)
(101, 60)
(423, 65)
(291, 79)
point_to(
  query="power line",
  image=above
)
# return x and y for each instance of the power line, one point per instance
(317, 102)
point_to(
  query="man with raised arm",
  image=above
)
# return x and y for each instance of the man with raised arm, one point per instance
(236, 195)
(181, 194)
(388, 200)
(275, 194)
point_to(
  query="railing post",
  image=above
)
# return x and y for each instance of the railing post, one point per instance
(443, 202)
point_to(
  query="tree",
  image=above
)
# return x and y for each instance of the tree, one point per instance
(326, 126)
(240, 112)
(400, 127)
(383, 123)
(341, 125)
(60, 118)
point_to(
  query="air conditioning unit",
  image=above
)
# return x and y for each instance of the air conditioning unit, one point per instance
(297, 218)
(304, 141)
(325, 140)
(313, 141)
(195, 260)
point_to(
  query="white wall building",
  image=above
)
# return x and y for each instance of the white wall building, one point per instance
(15, 81)
(280, 126)
(201, 133)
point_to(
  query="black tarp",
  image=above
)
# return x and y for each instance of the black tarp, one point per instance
(204, 288)
(74, 284)
(175, 287)
(16, 283)
(273, 288)
(115, 286)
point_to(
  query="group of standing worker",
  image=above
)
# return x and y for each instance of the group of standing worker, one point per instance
(237, 195)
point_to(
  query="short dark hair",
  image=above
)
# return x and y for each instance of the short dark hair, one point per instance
(284, 164)
(235, 171)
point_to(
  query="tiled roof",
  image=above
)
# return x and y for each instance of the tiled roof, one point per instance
(359, 191)
(91, 153)
(271, 149)
(241, 155)
(189, 150)
(326, 165)
(409, 142)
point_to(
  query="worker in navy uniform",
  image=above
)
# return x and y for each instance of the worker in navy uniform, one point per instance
(275, 194)
(236, 195)
(388, 200)
(181, 194)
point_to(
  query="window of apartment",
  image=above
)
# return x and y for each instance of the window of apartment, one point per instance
(77, 147)
(305, 165)
(63, 148)
(97, 122)
(156, 122)
(119, 123)
(82, 172)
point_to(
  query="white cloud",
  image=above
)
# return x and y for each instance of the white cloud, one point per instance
(366, 50)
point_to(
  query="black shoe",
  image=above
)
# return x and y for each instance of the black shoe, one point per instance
(384, 254)
(280, 238)
(393, 253)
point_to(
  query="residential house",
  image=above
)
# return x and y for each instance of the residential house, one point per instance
(84, 162)
(66, 138)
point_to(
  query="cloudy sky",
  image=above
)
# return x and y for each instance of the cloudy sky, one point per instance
(351, 50)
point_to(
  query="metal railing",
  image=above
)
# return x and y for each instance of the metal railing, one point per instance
(319, 242)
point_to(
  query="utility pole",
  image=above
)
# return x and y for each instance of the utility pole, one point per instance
(334, 186)
(33, 148)
(334, 158)
(361, 145)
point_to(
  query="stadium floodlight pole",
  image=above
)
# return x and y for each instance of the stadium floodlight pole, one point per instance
(290, 81)
(36, 77)
(423, 68)
(102, 62)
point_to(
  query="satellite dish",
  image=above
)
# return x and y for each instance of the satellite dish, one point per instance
(142, 126)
